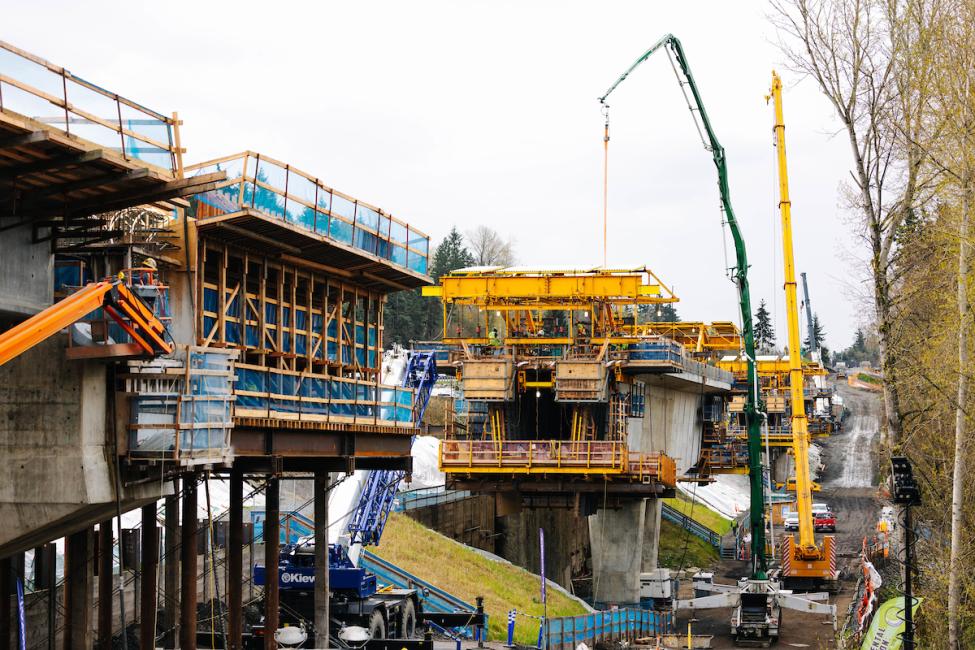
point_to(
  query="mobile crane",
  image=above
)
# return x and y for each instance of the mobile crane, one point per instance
(804, 563)
(757, 600)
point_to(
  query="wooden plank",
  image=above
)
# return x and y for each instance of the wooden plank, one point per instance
(20, 140)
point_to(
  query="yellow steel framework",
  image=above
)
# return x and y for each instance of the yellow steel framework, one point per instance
(598, 305)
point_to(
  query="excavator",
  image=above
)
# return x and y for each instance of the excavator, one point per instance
(757, 600)
(116, 297)
(804, 563)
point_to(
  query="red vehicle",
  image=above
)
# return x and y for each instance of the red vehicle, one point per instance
(824, 520)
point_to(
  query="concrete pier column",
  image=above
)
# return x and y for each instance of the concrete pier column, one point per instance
(651, 534)
(321, 559)
(171, 579)
(106, 541)
(78, 571)
(617, 537)
(6, 602)
(150, 568)
(187, 601)
(272, 525)
(235, 561)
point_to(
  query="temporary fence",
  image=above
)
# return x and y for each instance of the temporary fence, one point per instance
(629, 624)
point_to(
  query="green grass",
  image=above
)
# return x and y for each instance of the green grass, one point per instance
(465, 573)
(672, 553)
(700, 513)
(869, 379)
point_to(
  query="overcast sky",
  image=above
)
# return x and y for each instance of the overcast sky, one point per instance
(464, 113)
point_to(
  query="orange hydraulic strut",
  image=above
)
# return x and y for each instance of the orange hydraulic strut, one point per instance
(114, 296)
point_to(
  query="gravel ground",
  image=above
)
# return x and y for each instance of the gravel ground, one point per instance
(848, 486)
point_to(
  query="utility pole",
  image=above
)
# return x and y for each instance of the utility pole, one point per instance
(906, 493)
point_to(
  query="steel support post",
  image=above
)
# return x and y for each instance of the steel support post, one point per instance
(272, 532)
(235, 560)
(171, 579)
(187, 601)
(77, 590)
(321, 559)
(106, 541)
(150, 567)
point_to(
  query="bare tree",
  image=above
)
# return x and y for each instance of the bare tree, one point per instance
(849, 48)
(490, 248)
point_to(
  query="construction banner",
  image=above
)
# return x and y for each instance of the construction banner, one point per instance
(887, 626)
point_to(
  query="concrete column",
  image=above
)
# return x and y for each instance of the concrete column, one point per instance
(272, 525)
(171, 580)
(617, 553)
(235, 564)
(105, 543)
(6, 602)
(321, 559)
(77, 590)
(651, 534)
(187, 616)
(150, 566)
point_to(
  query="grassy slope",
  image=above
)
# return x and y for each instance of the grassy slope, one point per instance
(672, 539)
(461, 571)
(701, 514)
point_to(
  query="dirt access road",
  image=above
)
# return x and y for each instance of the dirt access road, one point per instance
(848, 486)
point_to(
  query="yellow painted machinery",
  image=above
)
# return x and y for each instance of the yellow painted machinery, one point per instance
(805, 564)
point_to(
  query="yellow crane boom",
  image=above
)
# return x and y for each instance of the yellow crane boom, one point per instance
(806, 547)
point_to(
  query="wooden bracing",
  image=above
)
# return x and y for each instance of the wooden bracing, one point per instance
(285, 316)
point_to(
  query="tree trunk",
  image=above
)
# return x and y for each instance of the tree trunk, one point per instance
(958, 479)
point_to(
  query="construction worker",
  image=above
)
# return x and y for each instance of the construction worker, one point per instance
(493, 339)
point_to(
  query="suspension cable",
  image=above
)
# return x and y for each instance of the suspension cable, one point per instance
(605, 184)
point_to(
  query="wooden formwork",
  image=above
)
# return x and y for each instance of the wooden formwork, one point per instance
(489, 380)
(581, 381)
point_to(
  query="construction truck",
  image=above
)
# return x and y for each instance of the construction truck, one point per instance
(758, 599)
(354, 599)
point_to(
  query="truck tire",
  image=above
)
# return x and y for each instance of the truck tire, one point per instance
(377, 625)
(407, 628)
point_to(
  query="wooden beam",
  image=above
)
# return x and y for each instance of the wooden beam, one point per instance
(21, 140)
(51, 164)
(82, 184)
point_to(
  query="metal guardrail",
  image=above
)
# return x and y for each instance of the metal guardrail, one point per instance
(696, 528)
(280, 191)
(44, 92)
(556, 457)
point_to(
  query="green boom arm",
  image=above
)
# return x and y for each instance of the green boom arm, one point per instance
(757, 504)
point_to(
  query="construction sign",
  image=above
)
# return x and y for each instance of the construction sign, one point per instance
(887, 626)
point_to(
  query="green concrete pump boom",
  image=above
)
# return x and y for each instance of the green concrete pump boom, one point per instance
(757, 501)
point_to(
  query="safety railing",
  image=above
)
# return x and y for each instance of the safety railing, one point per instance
(46, 93)
(280, 191)
(263, 392)
(181, 410)
(675, 516)
(556, 457)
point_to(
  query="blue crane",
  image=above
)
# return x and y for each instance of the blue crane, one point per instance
(369, 519)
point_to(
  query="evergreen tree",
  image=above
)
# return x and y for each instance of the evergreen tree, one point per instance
(764, 332)
(408, 316)
(665, 313)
